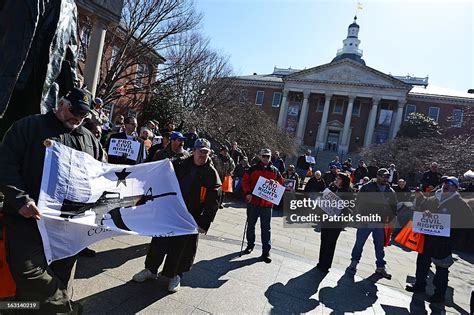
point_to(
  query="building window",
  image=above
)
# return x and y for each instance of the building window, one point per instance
(338, 106)
(84, 44)
(141, 70)
(259, 98)
(243, 96)
(456, 120)
(276, 99)
(356, 108)
(113, 58)
(132, 113)
(433, 113)
(410, 109)
(320, 106)
(108, 109)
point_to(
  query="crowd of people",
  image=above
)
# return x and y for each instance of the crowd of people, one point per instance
(200, 172)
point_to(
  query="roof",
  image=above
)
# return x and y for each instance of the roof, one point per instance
(439, 91)
(261, 77)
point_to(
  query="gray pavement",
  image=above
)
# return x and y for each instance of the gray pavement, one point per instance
(224, 283)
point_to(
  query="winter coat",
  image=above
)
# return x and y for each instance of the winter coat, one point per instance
(302, 164)
(224, 165)
(168, 153)
(370, 200)
(440, 247)
(315, 185)
(251, 177)
(360, 173)
(431, 179)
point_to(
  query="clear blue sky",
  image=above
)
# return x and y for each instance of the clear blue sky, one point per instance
(416, 37)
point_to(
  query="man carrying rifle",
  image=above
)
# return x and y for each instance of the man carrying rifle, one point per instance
(21, 159)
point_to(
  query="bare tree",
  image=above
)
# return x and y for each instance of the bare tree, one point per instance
(148, 27)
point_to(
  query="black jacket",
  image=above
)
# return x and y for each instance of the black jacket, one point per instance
(315, 185)
(191, 178)
(302, 164)
(360, 173)
(431, 179)
(461, 216)
(370, 200)
(22, 156)
(113, 159)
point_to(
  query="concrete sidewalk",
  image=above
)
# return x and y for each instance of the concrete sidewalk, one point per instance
(222, 282)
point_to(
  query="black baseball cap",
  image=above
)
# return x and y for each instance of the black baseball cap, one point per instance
(80, 100)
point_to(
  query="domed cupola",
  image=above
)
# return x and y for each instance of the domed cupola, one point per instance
(350, 48)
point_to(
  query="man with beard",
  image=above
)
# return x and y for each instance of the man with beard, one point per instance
(174, 150)
(200, 187)
(21, 158)
(438, 249)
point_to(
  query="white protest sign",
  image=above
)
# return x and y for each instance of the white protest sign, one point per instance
(329, 202)
(268, 190)
(310, 159)
(124, 147)
(438, 224)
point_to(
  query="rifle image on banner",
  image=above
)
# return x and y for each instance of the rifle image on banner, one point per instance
(108, 202)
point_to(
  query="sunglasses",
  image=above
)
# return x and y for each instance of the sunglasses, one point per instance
(77, 112)
(266, 156)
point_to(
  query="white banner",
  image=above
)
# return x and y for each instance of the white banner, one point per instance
(83, 201)
(310, 159)
(438, 224)
(329, 202)
(124, 147)
(268, 190)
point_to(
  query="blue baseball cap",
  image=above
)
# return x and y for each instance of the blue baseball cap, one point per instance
(175, 135)
(451, 180)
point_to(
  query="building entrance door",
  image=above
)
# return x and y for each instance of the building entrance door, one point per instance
(333, 140)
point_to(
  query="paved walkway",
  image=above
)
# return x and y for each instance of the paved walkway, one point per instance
(223, 282)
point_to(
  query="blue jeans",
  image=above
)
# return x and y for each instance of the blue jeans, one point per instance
(379, 237)
(265, 214)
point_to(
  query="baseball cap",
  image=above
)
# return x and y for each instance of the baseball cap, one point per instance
(383, 172)
(98, 101)
(176, 135)
(265, 152)
(451, 180)
(80, 100)
(202, 143)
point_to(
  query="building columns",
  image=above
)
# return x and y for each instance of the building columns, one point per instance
(398, 119)
(94, 55)
(344, 147)
(283, 110)
(303, 118)
(369, 132)
(324, 120)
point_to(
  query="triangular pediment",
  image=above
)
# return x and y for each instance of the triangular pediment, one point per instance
(347, 71)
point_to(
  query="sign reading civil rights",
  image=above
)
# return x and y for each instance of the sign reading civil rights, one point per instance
(310, 159)
(329, 202)
(438, 224)
(83, 201)
(268, 190)
(124, 147)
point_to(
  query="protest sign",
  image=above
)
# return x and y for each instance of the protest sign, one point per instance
(329, 202)
(124, 147)
(289, 184)
(310, 159)
(438, 224)
(268, 190)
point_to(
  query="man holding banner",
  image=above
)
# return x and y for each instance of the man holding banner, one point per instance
(445, 204)
(21, 156)
(258, 207)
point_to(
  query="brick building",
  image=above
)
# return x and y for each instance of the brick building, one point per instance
(99, 47)
(345, 105)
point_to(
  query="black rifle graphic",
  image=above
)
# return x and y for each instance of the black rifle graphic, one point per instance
(108, 202)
